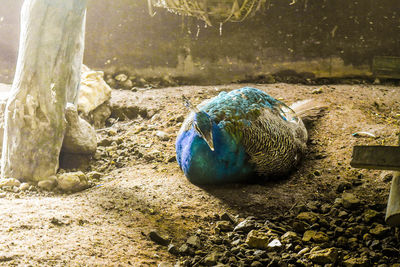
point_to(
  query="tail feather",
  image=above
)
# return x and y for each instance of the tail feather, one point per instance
(308, 110)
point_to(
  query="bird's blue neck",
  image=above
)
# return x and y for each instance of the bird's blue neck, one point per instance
(227, 163)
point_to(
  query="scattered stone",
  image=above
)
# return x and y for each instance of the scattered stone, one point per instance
(245, 226)
(227, 217)
(9, 182)
(164, 264)
(212, 258)
(317, 91)
(163, 136)
(320, 237)
(24, 186)
(274, 245)
(386, 177)
(289, 236)
(122, 77)
(379, 230)
(194, 241)
(184, 249)
(94, 175)
(93, 90)
(309, 217)
(370, 215)
(223, 226)
(324, 256)
(48, 184)
(173, 249)
(343, 186)
(158, 239)
(80, 136)
(257, 239)
(303, 251)
(356, 262)
(350, 201)
(3, 194)
(72, 181)
(308, 235)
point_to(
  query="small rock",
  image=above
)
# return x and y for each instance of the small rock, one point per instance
(308, 235)
(289, 236)
(122, 77)
(9, 182)
(212, 258)
(256, 264)
(386, 177)
(245, 226)
(324, 256)
(274, 245)
(194, 241)
(309, 217)
(80, 136)
(93, 175)
(257, 239)
(350, 201)
(3, 194)
(227, 217)
(320, 237)
(47, 184)
(163, 136)
(164, 264)
(224, 226)
(72, 181)
(370, 215)
(173, 249)
(359, 262)
(343, 186)
(303, 251)
(184, 249)
(24, 186)
(379, 230)
(317, 91)
(158, 239)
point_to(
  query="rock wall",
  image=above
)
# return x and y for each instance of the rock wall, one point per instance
(321, 38)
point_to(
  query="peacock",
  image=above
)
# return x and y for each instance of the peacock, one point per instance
(244, 135)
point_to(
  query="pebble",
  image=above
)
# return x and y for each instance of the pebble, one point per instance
(257, 239)
(24, 186)
(309, 217)
(224, 226)
(163, 136)
(194, 241)
(324, 256)
(48, 184)
(72, 181)
(379, 230)
(350, 201)
(245, 226)
(173, 249)
(158, 239)
(9, 182)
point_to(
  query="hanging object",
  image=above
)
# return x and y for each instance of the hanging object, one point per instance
(213, 12)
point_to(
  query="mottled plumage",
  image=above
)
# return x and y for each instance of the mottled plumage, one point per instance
(251, 135)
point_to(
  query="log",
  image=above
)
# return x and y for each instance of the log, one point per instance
(47, 76)
(393, 206)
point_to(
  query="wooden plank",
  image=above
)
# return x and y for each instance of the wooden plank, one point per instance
(376, 157)
(386, 67)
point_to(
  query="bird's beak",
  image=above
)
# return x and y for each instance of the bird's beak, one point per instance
(209, 140)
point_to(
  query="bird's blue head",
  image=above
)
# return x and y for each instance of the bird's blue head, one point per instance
(202, 123)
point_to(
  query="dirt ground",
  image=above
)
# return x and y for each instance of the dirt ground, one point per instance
(142, 187)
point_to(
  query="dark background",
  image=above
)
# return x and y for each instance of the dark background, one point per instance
(325, 38)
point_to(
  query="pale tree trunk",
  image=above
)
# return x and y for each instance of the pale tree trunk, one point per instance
(47, 76)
